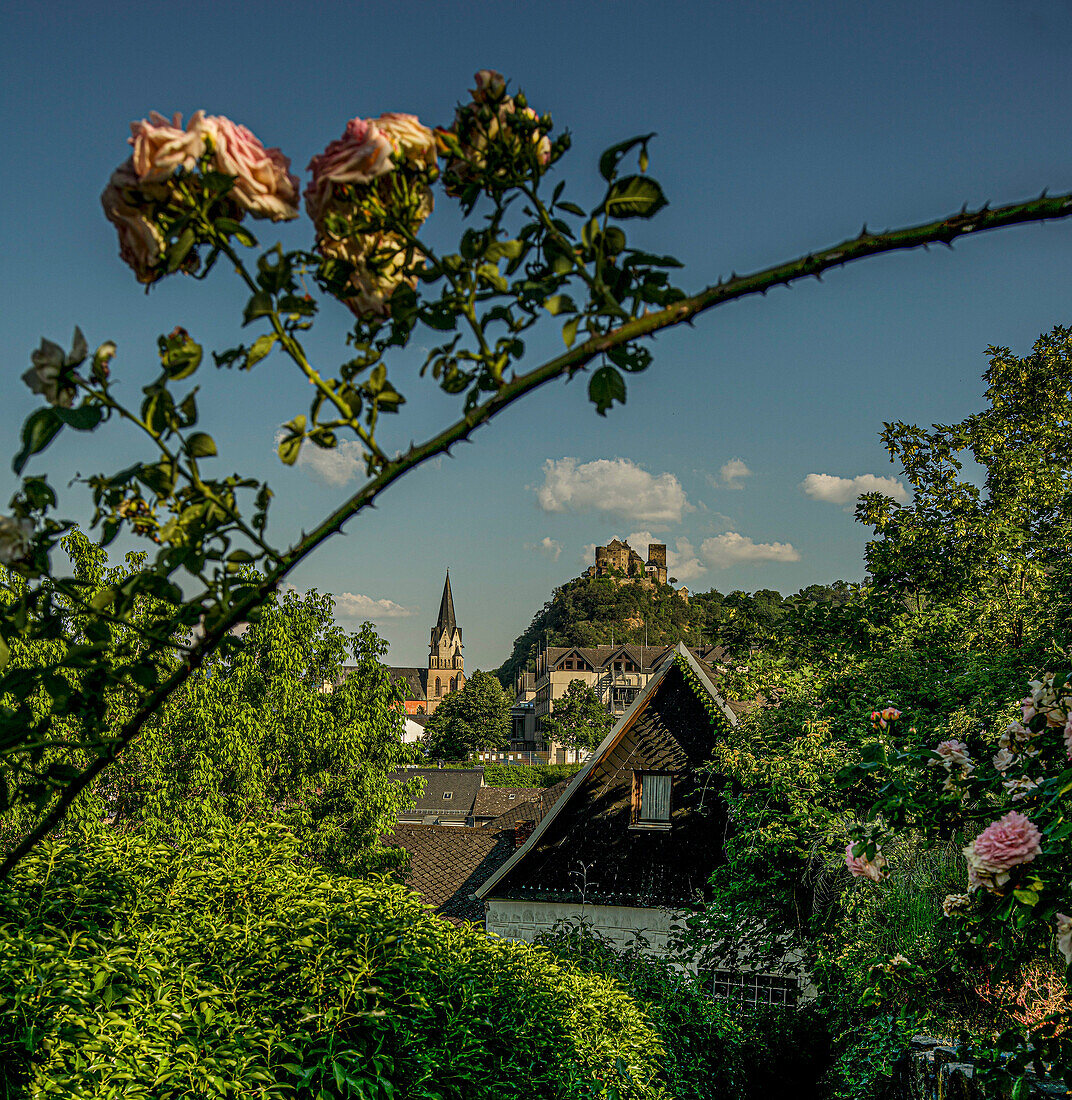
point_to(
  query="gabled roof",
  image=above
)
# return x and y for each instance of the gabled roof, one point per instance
(447, 863)
(666, 748)
(530, 811)
(415, 680)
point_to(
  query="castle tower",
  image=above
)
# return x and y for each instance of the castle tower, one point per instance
(657, 558)
(445, 661)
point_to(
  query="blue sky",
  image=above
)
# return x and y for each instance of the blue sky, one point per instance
(782, 127)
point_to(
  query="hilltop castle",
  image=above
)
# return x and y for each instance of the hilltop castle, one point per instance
(619, 559)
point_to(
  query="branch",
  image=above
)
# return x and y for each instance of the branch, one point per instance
(945, 231)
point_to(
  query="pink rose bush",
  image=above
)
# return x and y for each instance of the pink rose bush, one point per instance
(862, 867)
(141, 199)
(1007, 843)
(495, 137)
(368, 194)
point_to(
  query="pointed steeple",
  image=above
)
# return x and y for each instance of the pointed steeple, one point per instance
(446, 621)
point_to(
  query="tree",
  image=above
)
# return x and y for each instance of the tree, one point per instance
(179, 204)
(578, 719)
(475, 718)
(995, 554)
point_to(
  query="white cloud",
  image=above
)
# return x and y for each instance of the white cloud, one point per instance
(547, 546)
(617, 486)
(732, 548)
(335, 467)
(845, 490)
(733, 473)
(681, 559)
(352, 605)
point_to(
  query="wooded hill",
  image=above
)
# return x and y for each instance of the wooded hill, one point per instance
(590, 611)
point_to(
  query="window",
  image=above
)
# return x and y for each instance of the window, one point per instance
(448, 795)
(438, 687)
(747, 987)
(651, 799)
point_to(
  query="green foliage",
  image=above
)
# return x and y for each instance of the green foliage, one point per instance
(129, 968)
(865, 1067)
(702, 1044)
(997, 554)
(525, 775)
(466, 721)
(578, 719)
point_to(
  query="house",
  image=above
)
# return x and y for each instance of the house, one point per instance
(617, 673)
(446, 863)
(632, 840)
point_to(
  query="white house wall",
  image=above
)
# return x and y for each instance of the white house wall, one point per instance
(620, 924)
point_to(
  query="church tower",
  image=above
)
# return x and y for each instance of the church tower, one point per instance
(445, 661)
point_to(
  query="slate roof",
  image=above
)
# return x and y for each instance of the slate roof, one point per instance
(462, 784)
(446, 621)
(493, 801)
(447, 864)
(416, 680)
(530, 811)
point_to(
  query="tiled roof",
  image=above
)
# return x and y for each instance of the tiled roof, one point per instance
(462, 784)
(416, 680)
(530, 811)
(447, 864)
(492, 801)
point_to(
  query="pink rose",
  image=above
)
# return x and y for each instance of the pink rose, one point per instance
(1003, 760)
(141, 244)
(1005, 844)
(953, 757)
(1064, 937)
(161, 146)
(862, 867)
(1068, 738)
(264, 184)
(361, 155)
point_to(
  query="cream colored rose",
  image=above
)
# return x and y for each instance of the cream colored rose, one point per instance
(378, 272)
(264, 184)
(1064, 937)
(140, 243)
(161, 146)
(15, 539)
(410, 140)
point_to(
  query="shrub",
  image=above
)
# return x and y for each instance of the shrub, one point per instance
(131, 969)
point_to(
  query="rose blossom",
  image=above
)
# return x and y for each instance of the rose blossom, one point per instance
(953, 903)
(125, 206)
(378, 272)
(862, 867)
(15, 539)
(264, 184)
(1010, 841)
(1019, 788)
(52, 373)
(1003, 760)
(490, 86)
(161, 146)
(1068, 737)
(412, 142)
(1064, 937)
(954, 758)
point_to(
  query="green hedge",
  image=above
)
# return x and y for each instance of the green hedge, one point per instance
(523, 775)
(129, 969)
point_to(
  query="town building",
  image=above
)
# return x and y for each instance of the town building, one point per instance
(425, 688)
(617, 674)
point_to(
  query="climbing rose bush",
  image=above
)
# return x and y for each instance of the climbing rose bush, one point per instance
(1014, 808)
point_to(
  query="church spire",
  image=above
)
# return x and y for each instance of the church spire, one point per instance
(446, 621)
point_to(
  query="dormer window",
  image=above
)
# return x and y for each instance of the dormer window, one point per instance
(651, 800)
(447, 795)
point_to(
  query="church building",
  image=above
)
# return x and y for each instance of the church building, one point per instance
(426, 687)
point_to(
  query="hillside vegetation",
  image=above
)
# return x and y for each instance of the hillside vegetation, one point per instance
(589, 611)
